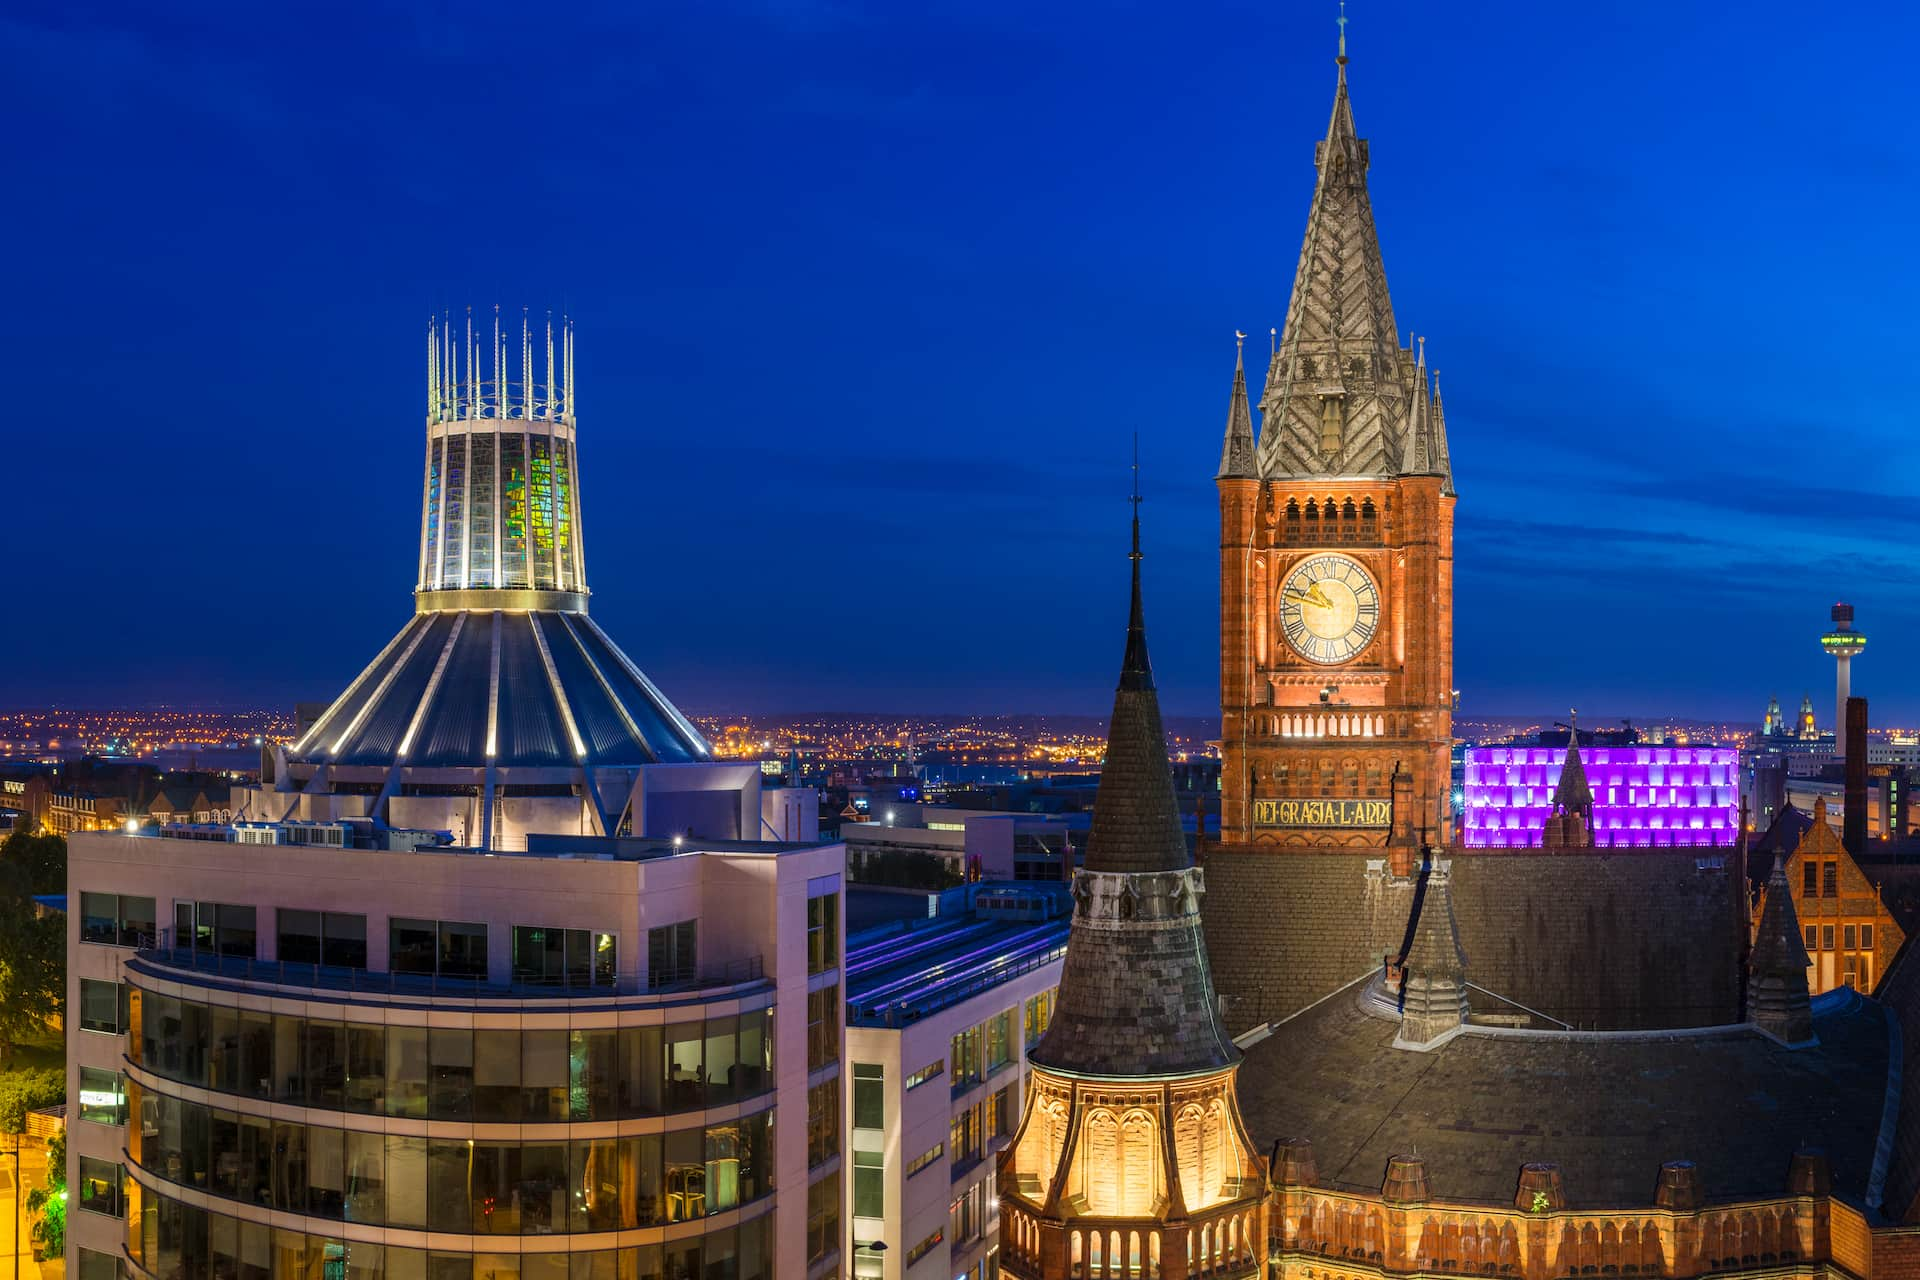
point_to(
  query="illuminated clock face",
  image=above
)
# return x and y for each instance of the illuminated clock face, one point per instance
(1329, 608)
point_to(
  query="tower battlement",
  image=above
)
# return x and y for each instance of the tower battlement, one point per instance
(476, 376)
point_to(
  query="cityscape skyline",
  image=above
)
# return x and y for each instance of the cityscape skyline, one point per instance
(1579, 421)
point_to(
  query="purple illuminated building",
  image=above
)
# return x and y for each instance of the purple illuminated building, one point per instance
(1643, 796)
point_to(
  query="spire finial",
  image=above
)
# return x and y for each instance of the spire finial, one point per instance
(1273, 341)
(1342, 21)
(1135, 500)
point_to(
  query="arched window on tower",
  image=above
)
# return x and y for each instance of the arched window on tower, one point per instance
(1292, 528)
(1369, 521)
(1349, 522)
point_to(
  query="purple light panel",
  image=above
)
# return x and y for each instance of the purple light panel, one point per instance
(1643, 797)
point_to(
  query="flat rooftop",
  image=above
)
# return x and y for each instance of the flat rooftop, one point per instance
(901, 972)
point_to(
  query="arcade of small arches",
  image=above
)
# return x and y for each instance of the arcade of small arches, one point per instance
(1324, 724)
(1303, 774)
(1221, 1246)
(1419, 1238)
(1116, 1167)
(1323, 521)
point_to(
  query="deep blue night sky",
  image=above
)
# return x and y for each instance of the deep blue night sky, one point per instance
(872, 297)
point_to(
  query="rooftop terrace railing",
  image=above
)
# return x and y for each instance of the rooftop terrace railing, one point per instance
(160, 953)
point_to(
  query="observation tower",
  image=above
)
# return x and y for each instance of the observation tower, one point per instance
(501, 708)
(1843, 642)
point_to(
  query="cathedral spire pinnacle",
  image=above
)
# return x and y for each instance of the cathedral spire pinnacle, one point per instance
(1342, 22)
(1236, 454)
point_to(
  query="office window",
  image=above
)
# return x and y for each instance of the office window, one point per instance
(963, 1058)
(100, 1182)
(95, 1265)
(823, 932)
(562, 957)
(672, 954)
(823, 1218)
(219, 928)
(1809, 879)
(869, 1184)
(1826, 937)
(1813, 937)
(446, 948)
(823, 1027)
(322, 937)
(1000, 1117)
(823, 1122)
(926, 1158)
(103, 1006)
(1849, 970)
(963, 1136)
(103, 1096)
(964, 1217)
(925, 1247)
(932, 1071)
(1866, 937)
(1038, 1013)
(1849, 938)
(118, 920)
(1830, 880)
(999, 1045)
(869, 1095)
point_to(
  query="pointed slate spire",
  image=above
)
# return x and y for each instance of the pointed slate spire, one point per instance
(1777, 998)
(1136, 991)
(1236, 455)
(1136, 816)
(1337, 404)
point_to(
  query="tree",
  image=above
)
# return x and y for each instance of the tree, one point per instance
(49, 1205)
(33, 960)
(22, 1091)
(40, 860)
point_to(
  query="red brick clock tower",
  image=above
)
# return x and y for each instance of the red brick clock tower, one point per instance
(1336, 555)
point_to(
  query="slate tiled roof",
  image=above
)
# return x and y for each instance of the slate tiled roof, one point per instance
(1608, 1110)
(1593, 937)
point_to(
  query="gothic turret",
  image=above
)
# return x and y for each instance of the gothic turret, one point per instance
(1132, 1130)
(1433, 980)
(1777, 999)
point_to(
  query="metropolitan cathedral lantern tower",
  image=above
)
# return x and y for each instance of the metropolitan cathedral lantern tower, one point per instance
(1336, 553)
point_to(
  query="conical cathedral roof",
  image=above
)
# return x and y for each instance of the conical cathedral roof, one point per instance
(501, 667)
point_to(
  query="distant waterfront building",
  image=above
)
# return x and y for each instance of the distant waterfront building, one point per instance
(940, 1015)
(493, 975)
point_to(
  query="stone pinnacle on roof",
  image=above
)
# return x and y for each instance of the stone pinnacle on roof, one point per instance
(1433, 992)
(1236, 454)
(1572, 794)
(1777, 997)
(1136, 817)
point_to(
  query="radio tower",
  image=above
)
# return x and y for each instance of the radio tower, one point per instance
(1842, 642)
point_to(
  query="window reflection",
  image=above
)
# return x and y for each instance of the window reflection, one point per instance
(454, 1184)
(489, 1075)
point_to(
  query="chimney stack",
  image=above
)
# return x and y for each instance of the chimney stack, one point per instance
(1854, 819)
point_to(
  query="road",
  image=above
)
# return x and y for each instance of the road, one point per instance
(15, 1250)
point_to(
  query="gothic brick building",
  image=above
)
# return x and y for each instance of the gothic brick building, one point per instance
(1564, 1061)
